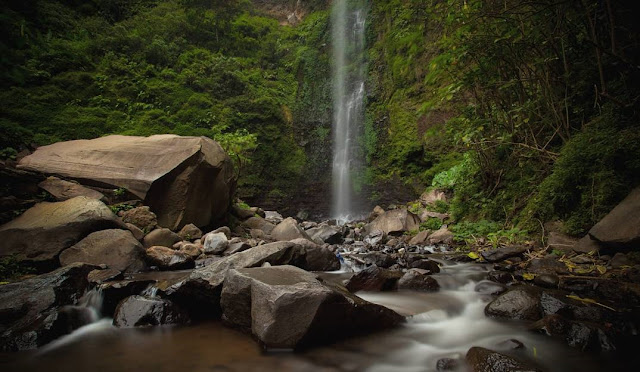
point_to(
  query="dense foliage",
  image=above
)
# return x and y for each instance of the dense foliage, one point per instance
(83, 69)
(528, 111)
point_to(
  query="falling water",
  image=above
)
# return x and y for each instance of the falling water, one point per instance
(348, 26)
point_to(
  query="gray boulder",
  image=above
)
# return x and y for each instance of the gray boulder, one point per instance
(418, 280)
(394, 221)
(288, 229)
(43, 231)
(118, 249)
(420, 238)
(190, 232)
(168, 172)
(29, 308)
(137, 311)
(317, 258)
(215, 243)
(258, 223)
(522, 303)
(286, 307)
(441, 236)
(621, 227)
(374, 278)
(327, 234)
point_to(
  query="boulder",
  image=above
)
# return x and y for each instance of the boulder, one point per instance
(190, 232)
(426, 214)
(317, 257)
(29, 309)
(161, 237)
(376, 258)
(192, 250)
(141, 217)
(215, 243)
(327, 234)
(490, 288)
(241, 213)
(43, 231)
(431, 267)
(374, 278)
(202, 287)
(585, 336)
(621, 227)
(480, 359)
(273, 217)
(432, 196)
(115, 291)
(418, 280)
(395, 221)
(118, 249)
(288, 229)
(223, 229)
(561, 242)
(586, 245)
(502, 253)
(236, 247)
(136, 231)
(522, 303)
(168, 259)
(286, 307)
(441, 236)
(258, 223)
(64, 190)
(183, 179)
(420, 238)
(96, 277)
(137, 311)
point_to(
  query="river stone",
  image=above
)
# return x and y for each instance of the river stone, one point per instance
(161, 237)
(327, 234)
(431, 267)
(137, 311)
(43, 231)
(223, 229)
(169, 259)
(585, 336)
(190, 232)
(502, 253)
(202, 287)
(29, 309)
(183, 179)
(420, 238)
(418, 280)
(317, 258)
(64, 190)
(522, 303)
(374, 278)
(490, 288)
(621, 227)
(192, 250)
(142, 217)
(241, 213)
(395, 222)
(135, 230)
(215, 243)
(288, 229)
(118, 249)
(480, 359)
(258, 223)
(441, 236)
(115, 291)
(286, 307)
(236, 247)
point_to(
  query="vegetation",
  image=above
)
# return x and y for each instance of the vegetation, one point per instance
(526, 111)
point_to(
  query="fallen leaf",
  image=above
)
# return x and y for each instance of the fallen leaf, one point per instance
(473, 255)
(528, 276)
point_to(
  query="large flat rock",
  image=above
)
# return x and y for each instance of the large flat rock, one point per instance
(43, 231)
(287, 307)
(395, 221)
(183, 179)
(621, 227)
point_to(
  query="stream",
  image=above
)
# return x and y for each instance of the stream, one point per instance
(443, 324)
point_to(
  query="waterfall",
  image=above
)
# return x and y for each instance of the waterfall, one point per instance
(348, 27)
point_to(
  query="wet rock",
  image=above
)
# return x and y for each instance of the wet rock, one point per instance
(447, 364)
(142, 217)
(317, 258)
(288, 229)
(103, 275)
(215, 243)
(376, 258)
(547, 265)
(286, 307)
(420, 238)
(484, 360)
(328, 234)
(161, 237)
(168, 259)
(137, 311)
(431, 267)
(621, 227)
(546, 280)
(582, 335)
(418, 280)
(202, 287)
(614, 291)
(29, 309)
(118, 249)
(522, 303)
(511, 344)
(587, 245)
(258, 223)
(490, 288)
(395, 222)
(65, 190)
(558, 303)
(374, 238)
(441, 236)
(168, 172)
(499, 254)
(374, 278)
(135, 230)
(115, 291)
(39, 235)
(190, 232)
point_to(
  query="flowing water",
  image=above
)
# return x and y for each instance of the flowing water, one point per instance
(348, 28)
(440, 324)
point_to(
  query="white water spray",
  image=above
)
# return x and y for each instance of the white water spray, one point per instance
(348, 27)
